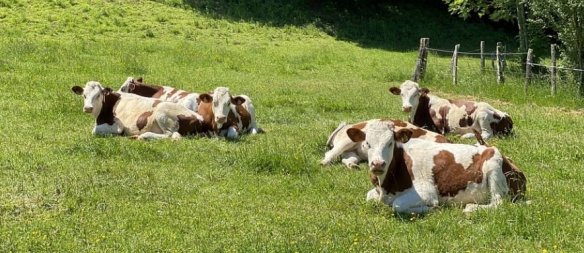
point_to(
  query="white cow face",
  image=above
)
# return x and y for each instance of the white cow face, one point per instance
(410, 94)
(379, 140)
(93, 96)
(222, 101)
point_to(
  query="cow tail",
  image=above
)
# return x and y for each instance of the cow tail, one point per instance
(331, 138)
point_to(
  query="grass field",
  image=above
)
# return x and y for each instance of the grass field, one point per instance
(62, 189)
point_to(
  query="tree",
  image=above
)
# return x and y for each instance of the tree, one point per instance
(566, 17)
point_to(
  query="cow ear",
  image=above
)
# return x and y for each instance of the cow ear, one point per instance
(77, 90)
(237, 100)
(140, 80)
(403, 135)
(395, 90)
(206, 98)
(425, 91)
(355, 134)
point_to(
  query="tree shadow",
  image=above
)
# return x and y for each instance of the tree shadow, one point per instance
(389, 25)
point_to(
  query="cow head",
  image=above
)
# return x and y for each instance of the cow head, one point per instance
(130, 84)
(222, 101)
(410, 94)
(379, 140)
(93, 96)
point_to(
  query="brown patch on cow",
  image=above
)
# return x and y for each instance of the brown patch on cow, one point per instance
(417, 132)
(205, 109)
(423, 116)
(440, 124)
(399, 123)
(465, 121)
(399, 176)
(441, 139)
(171, 92)
(469, 106)
(107, 115)
(360, 125)
(143, 120)
(503, 127)
(183, 94)
(145, 90)
(451, 177)
(156, 102)
(516, 180)
(244, 116)
(188, 125)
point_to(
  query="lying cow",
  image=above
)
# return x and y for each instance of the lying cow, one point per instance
(414, 175)
(136, 116)
(164, 93)
(457, 116)
(352, 153)
(231, 116)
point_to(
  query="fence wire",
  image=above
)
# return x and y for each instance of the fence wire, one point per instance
(469, 69)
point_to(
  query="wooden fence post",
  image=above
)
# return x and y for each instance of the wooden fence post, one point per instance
(553, 68)
(499, 64)
(454, 64)
(420, 69)
(528, 69)
(482, 56)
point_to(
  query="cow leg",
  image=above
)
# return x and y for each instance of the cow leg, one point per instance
(154, 136)
(337, 150)
(410, 202)
(168, 125)
(383, 197)
(351, 159)
(484, 124)
(106, 129)
(231, 133)
(497, 184)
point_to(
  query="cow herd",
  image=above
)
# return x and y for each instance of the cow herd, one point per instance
(412, 165)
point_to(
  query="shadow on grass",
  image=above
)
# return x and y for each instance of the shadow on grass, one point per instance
(390, 25)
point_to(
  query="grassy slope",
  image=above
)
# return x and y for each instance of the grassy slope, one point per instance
(63, 189)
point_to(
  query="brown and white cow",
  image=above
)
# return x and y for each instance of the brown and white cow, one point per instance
(164, 93)
(231, 115)
(352, 153)
(414, 175)
(456, 116)
(136, 116)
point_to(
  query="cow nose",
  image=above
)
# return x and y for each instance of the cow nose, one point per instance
(220, 120)
(376, 167)
(88, 109)
(407, 108)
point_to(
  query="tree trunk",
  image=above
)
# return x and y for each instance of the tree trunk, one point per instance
(522, 26)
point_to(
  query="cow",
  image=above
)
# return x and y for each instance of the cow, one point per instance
(231, 115)
(456, 116)
(136, 116)
(351, 153)
(414, 175)
(164, 93)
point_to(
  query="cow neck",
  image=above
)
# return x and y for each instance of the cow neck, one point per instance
(206, 111)
(146, 90)
(232, 121)
(106, 114)
(422, 116)
(398, 177)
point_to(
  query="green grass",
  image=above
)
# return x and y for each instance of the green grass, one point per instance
(62, 189)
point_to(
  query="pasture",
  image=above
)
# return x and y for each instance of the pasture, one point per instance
(62, 189)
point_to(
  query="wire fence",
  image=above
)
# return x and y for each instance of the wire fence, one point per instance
(512, 66)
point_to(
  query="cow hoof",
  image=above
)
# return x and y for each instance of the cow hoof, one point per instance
(135, 137)
(470, 208)
(324, 162)
(352, 166)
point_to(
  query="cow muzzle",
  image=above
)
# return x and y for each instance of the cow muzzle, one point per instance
(406, 108)
(376, 167)
(88, 109)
